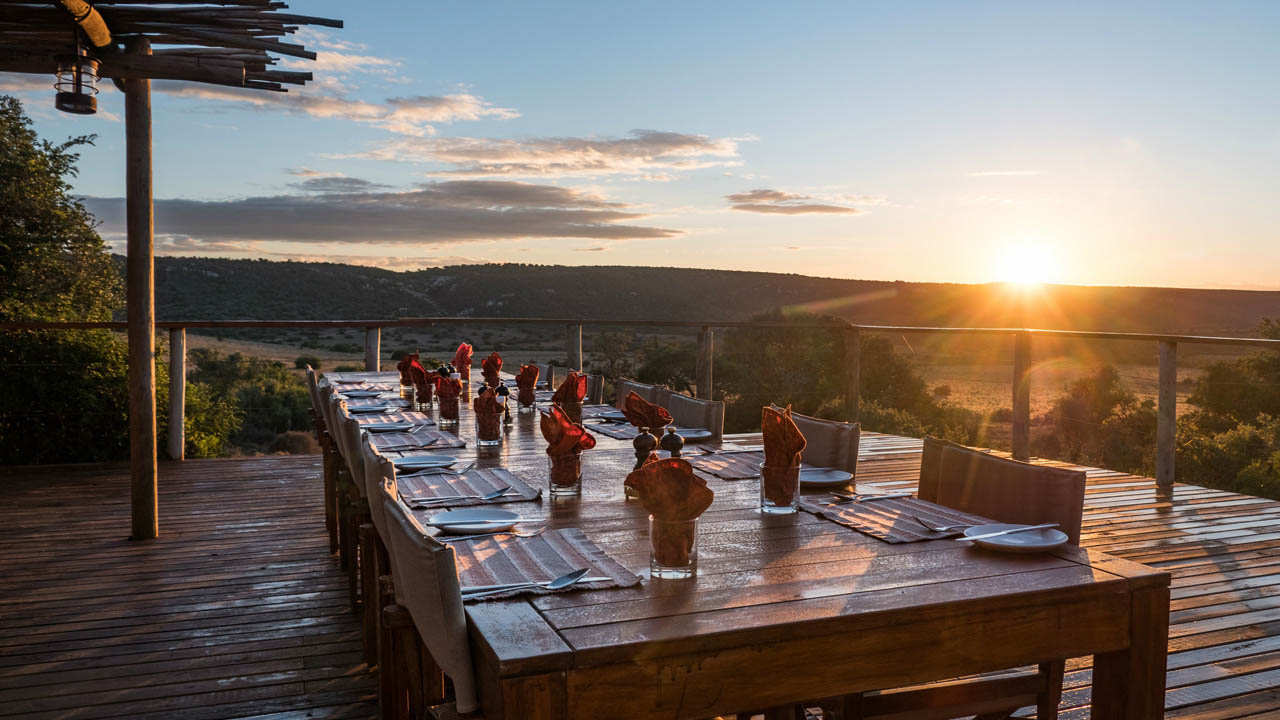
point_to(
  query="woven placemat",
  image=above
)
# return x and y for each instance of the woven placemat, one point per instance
(499, 559)
(479, 481)
(892, 520)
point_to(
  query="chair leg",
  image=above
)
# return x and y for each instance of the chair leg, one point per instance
(393, 688)
(330, 493)
(1047, 702)
(369, 573)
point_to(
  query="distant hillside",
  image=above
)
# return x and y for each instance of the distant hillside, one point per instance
(214, 289)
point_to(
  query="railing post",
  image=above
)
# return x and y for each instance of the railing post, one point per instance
(706, 358)
(573, 345)
(177, 393)
(372, 349)
(853, 373)
(1022, 396)
(1167, 413)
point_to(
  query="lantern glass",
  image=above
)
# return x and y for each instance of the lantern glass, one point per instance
(76, 84)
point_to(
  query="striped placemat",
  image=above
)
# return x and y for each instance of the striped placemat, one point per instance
(499, 559)
(480, 481)
(620, 431)
(730, 465)
(342, 389)
(416, 440)
(594, 411)
(420, 420)
(892, 520)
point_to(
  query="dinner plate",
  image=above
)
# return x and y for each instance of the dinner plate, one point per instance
(1023, 542)
(487, 520)
(694, 434)
(422, 462)
(360, 393)
(819, 477)
(370, 408)
(387, 426)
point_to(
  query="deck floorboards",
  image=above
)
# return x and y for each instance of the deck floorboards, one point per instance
(239, 611)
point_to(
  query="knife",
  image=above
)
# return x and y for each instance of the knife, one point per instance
(1026, 528)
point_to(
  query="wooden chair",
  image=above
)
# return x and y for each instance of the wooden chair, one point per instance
(328, 472)
(644, 390)
(353, 501)
(694, 413)
(829, 443)
(1007, 491)
(375, 563)
(427, 593)
(595, 390)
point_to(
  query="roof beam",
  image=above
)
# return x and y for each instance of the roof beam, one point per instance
(89, 20)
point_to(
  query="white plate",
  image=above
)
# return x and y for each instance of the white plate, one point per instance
(371, 409)
(481, 516)
(1025, 542)
(818, 477)
(360, 393)
(422, 462)
(387, 426)
(694, 434)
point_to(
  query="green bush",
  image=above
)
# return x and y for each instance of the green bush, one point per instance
(302, 361)
(268, 399)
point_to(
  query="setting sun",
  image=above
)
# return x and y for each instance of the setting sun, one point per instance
(1025, 263)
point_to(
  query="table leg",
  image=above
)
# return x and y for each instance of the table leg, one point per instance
(1129, 684)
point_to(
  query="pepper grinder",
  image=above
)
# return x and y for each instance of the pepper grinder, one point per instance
(644, 443)
(505, 393)
(672, 442)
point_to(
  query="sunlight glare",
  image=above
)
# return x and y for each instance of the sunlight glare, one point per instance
(1026, 263)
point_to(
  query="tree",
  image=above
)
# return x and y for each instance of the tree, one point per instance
(53, 264)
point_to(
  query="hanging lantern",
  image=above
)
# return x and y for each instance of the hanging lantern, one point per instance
(77, 82)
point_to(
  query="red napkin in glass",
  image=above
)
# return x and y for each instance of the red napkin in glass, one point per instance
(423, 382)
(670, 491)
(644, 414)
(449, 389)
(526, 382)
(403, 367)
(783, 444)
(570, 394)
(488, 414)
(462, 361)
(565, 442)
(490, 367)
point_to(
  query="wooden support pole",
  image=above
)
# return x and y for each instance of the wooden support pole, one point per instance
(573, 345)
(706, 361)
(1167, 413)
(177, 393)
(1022, 396)
(372, 349)
(853, 373)
(140, 300)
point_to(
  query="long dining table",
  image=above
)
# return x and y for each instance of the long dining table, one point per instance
(787, 608)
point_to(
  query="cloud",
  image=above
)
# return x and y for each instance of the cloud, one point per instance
(435, 213)
(24, 82)
(1005, 173)
(336, 184)
(640, 152)
(414, 116)
(777, 202)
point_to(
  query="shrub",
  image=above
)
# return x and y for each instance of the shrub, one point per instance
(302, 361)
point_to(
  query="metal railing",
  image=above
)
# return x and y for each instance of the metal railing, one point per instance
(1167, 345)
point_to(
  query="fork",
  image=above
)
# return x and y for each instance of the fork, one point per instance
(516, 533)
(942, 528)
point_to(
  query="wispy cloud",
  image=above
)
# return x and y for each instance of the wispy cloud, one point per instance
(1005, 173)
(639, 153)
(336, 184)
(778, 202)
(436, 213)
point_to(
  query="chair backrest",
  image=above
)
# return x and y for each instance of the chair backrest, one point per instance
(595, 389)
(317, 409)
(829, 443)
(426, 583)
(694, 413)
(379, 477)
(350, 432)
(931, 467)
(648, 392)
(547, 374)
(1010, 491)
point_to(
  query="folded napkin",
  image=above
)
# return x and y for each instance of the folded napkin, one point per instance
(783, 445)
(424, 382)
(488, 409)
(565, 442)
(449, 389)
(526, 384)
(644, 414)
(570, 394)
(403, 367)
(670, 491)
(462, 361)
(490, 368)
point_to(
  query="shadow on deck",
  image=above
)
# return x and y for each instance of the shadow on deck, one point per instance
(239, 610)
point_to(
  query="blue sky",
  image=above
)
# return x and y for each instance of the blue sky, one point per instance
(948, 141)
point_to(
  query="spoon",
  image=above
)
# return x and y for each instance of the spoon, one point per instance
(863, 497)
(559, 583)
(515, 533)
(941, 528)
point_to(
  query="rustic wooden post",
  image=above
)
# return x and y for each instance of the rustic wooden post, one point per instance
(1022, 396)
(177, 393)
(372, 349)
(853, 372)
(1167, 413)
(140, 302)
(573, 345)
(706, 359)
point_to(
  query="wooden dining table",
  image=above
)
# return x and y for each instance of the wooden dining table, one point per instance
(794, 607)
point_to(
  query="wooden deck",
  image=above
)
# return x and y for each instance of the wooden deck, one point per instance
(238, 610)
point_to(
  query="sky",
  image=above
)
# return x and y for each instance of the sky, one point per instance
(1098, 143)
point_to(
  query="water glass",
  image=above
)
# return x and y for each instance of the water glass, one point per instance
(673, 553)
(565, 473)
(779, 489)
